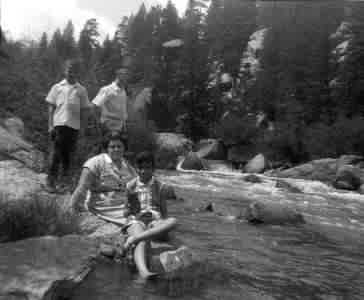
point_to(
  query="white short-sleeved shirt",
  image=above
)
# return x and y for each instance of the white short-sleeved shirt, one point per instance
(68, 99)
(113, 103)
(110, 204)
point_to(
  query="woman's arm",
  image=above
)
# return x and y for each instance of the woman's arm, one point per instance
(87, 179)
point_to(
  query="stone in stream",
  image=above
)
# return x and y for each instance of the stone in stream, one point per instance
(256, 165)
(252, 178)
(348, 177)
(287, 187)
(176, 259)
(193, 162)
(211, 149)
(272, 213)
(15, 126)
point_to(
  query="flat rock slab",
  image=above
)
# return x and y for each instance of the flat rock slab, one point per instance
(45, 267)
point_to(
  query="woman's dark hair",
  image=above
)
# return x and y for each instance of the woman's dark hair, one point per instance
(144, 157)
(113, 136)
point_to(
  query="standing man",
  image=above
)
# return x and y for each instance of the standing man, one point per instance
(112, 102)
(67, 101)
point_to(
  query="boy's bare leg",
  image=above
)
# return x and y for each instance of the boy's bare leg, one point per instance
(161, 227)
(140, 257)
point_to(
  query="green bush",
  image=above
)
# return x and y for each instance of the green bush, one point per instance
(35, 216)
(140, 138)
(284, 143)
(345, 136)
(294, 143)
(237, 129)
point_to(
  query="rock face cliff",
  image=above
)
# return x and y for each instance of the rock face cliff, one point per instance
(20, 162)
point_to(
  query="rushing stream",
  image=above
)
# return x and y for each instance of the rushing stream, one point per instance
(323, 259)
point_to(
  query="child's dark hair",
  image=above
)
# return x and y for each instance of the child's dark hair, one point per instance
(144, 157)
(113, 136)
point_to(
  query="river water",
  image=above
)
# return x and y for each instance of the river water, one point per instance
(322, 259)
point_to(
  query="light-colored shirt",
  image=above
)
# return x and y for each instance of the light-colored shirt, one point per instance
(109, 204)
(68, 99)
(113, 103)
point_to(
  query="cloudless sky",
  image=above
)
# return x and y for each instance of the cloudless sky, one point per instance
(24, 19)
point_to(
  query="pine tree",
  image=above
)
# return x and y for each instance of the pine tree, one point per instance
(43, 44)
(88, 41)
(69, 49)
(193, 74)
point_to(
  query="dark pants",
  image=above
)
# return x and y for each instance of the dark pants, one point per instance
(63, 144)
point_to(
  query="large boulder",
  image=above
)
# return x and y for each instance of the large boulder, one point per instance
(349, 177)
(321, 169)
(256, 165)
(169, 147)
(288, 187)
(218, 165)
(17, 181)
(15, 147)
(272, 213)
(10, 143)
(349, 160)
(15, 126)
(211, 149)
(192, 162)
(239, 154)
(45, 267)
(345, 172)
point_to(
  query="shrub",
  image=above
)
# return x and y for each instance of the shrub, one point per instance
(140, 138)
(345, 136)
(35, 216)
(237, 129)
(284, 143)
(294, 143)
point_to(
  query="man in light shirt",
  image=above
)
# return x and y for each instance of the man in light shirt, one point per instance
(67, 101)
(112, 102)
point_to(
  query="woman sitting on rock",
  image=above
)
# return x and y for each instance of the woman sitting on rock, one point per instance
(103, 180)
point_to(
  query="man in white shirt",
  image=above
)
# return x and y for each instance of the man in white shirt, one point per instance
(66, 103)
(112, 102)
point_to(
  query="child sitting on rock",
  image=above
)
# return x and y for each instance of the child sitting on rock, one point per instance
(147, 211)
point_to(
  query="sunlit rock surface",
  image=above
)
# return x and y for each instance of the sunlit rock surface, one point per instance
(169, 147)
(17, 181)
(211, 149)
(256, 165)
(15, 126)
(13, 147)
(269, 212)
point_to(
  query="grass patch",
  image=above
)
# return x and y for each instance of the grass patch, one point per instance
(34, 216)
